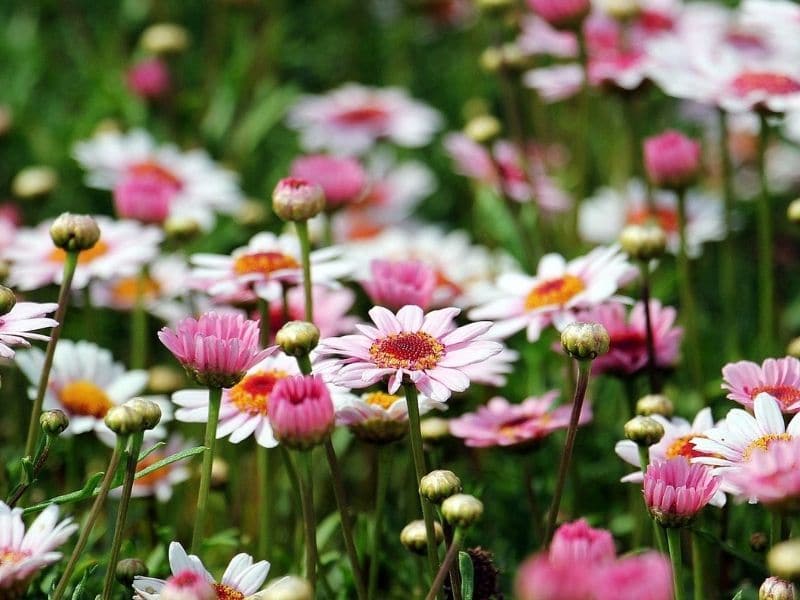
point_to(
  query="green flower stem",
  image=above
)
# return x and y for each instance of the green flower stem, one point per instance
(70, 263)
(652, 367)
(584, 368)
(263, 323)
(42, 453)
(347, 525)
(305, 248)
(328, 231)
(266, 515)
(687, 298)
(766, 281)
(674, 541)
(139, 324)
(293, 475)
(449, 561)
(728, 255)
(94, 513)
(658, 532)
(418, 455)
(304, 362)
(698, 568)
(132, 460)
(309, 520)
(383, 475)
(214, 402)
(775, 528)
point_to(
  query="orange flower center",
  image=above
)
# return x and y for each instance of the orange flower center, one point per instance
(785, 394)
(263, 263)
(9, 556)
(363, 115)
(553, 292)
(683, 446)
(155, 476)
(666, 218)
(126, 289)
(84, 398)
(761, 81)
(251, 394)
(226, 592)
(414, 351)
(763, 443)
(153, 170)
(380, 399)
(58, 255)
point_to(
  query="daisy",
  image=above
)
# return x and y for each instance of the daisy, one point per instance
(152, 182)
(352, 118)
(555, 295)
(425, 349)
(675, 490)
(771, 477)
(23, 554)
(85, 382)
(501, 423)
(537, 36)
(555, 83)
(242, 576)
(123, 249)
(18, 325)
(262, 268)
(778, 377)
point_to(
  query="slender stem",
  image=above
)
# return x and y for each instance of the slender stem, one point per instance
(418, 455)
(674, 542)
(328, 231)
(383, 475)
(766, 282)
(698, 568)
(347, 526)
(293, 475)
(263, 322)
(648, 319)
(86, 531)
(134, 446)
(139, 324)
(70, 262)
(305, 248)
(214, 402)
(309, 520)
(266, 500)
(444, 570)
(728, 254)
(658, 532)
(687, 298)
(304, 362)
(41, 458)
(584, 368)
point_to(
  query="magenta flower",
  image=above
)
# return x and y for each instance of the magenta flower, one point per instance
(301, 411)
(397, 283)
(18, 325)
(647, 576)
(426, 349)
(561, 13)
(149, 79)
(628, 351)
(188, 585)
(216, 350)
(676, 490)
(777, 377)
(771, 477)
(343, 180)
(501, 423)
(146, 194)
(578, 542)
(672, 160)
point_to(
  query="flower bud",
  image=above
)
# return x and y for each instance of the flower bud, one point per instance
(438, 485)
(793, 349)
(585, 341)
(644, 431)
(128, 568)
(462, 510)
(793, 212)
(483, 128)
(643, 242)
(297, 338)
(123, 420)
(251, 213)
(774, 588)
(53, 422)
(415, 539)
(672, 160)
(181, 229)
(622, 10)
(33, 182)
(74, 232)
(301, 412)
(8, 300)
(784, 560)
(149, 411)
(562, 14)
(165, 380)
(164, 38)
(434, 429)
(188, 585)
(296, 199)
(655, 404)
(290, 587)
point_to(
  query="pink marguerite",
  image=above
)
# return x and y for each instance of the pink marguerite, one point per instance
(426, 349)
(188, 585)
(19, 325)
(396, 283)
(566, 14)
(672, 160)
(645, 576)
(578, 542)
(676, 490)
(301, 411)
(771, 477)
(149, 79)
(343, 180)
(778, 377)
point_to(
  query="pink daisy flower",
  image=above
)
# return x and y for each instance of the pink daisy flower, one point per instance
(149, 79)
(23, 554)
(555, 83)
(396, 283)
(672, 160)
(501, 423)
(537, 37)
(557, 293)
(343, 180)
(676, 490)
(188, 585)
(645, 576)
(771, 477)
(426, 349)
(778, 377)
(578, 542)
(123, 249)
(19, 324)
(301, 411)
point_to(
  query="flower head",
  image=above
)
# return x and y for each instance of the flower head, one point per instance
(397, 283)
(646, 576)
(771, 477)
(188, 585)
(18, 325)
(301, 411)
(343, 180)
(778, 377)
(149, 79)
(676, 490)
(297, 199)
(578, 542)
(561, 13)
(672, 160)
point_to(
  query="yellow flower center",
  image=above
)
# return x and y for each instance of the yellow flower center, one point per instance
(683, 446)
(264, 263)
(126, 289)
(763, 443)
(226, 592)
(251, 394)
(11, 557)
(415, 351)
(785, 394)
(84, 398)
(553, 292)
(58, 255)
(381, 399)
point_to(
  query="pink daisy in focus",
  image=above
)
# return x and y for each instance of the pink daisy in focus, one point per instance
(646, 576)
(343, 180)
(675, 490)
(149, 79)
(501, 423)
(123, 249)
(23, 554)
(557, 293)
(352, 118)
(301, 411)
(771, 477)
(628, 350)
(19, 324)
(425, 349)
(778, 377)
(396, 283)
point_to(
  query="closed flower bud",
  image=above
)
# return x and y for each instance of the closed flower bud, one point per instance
(793, 349)
(434, 429)
(775, 588)
(296, 199)
(784, 560)
(655, 404)
(793, 212)
(672, 160)
(149, 410)
(301, 411)
(33, 182)
(74, 232)
(644, 431)
(128, 568)
(462, 510)
(164, 38)
(439, 485)
(483, 128)
(252, 213)
(414, 538)
(53, 422)
(290, 587)
(297, 338)
(123, 420)
(585, 341)
(165, 380)
(7, 300)
(181, 229)
(643, 242)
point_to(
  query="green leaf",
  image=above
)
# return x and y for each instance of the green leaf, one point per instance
(738, 595)
(147, 453)
(467, 575)
(80, 592)
(87, 491)
(169, 460)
